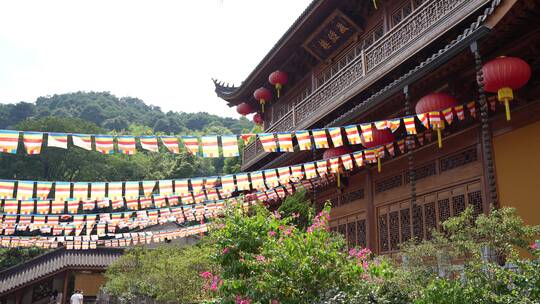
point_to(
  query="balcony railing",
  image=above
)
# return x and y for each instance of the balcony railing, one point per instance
(429, 21)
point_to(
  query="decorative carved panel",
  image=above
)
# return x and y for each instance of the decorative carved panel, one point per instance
(394, 230)
(383, 233)
(458, 159)
(418, 223)
(361, 233)
(444, 209)
(388, 183)
(423, 172)
(458, 204)
(405, 224)
(475, 201)
(430, 218)
(351, 234)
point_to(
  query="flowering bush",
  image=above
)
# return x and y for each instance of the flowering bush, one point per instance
(267, 259)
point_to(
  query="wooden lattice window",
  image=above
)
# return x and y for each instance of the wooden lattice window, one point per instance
(388, 183)
(333, 229)
(383, 233)
(401, 13)
(430, 217)
(361, 233)
(351, 234)
(475, 200)
(458, 159)
(405, 224)
(394, 230)
(342, 229)
(444, 209)
(418, 223)
(458, 204)
(422, 172)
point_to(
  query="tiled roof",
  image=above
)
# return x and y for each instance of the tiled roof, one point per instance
(55, 261)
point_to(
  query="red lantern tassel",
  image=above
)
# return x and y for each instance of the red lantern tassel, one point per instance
(262, 105)
(278, 89)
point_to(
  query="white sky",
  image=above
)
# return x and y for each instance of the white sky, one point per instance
(162, 51)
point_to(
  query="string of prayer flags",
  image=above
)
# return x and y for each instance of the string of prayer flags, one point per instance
(210, 146)
(210, 182)
(353, 136)
(271, 178)
(25, 190)
(6, 189)
(171, 143)
(393, 124)
(88, 204)
(410, 125)
(9, 140)
(131, 190)
(381, 125)
(268, 142)
(32, 142)
(191, 143)
(62, 191)
(459, 112)
(132, 204)
(229, 144)
(27, 206)
(242, 181)
(247, 137)
(347, 161)
(42, 206)
(448, 115)
(43, 189)
(285, 142)
(257, 180)
(98, 191)
(320, 139)
(335, 135)
(367, 132)
(304, 140)
(126, 144)
(11, 206)
(197, 184)
(471, 106)
(57, 206)
(58, 140)
(297, 173)
(310, 170)
(148, 187)
(423, 117)
(358, 158)
(227, 183)
(149, 143)
(284, 175)
(82, 141)
(104, 144)
(334, 164)
(322, 167)
(159, 200)
(165, 187)
(73, 205)
(115, 190)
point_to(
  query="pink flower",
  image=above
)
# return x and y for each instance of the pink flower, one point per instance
(271, 233)
(295, 215)
(365, 265)
(225, 250)
(206, 274)
(277, 214)
(535, 245)
(240, 300)
(274, 301)
(260, 258)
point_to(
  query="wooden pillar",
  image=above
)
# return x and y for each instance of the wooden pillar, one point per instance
(410, 156)
(486, 138)
(64, 292)
(371, 218)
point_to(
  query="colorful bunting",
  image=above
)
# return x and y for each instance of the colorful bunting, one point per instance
(347, 161)
(58, 140)
(322, 167)
(423, 117)
(197, 184)
(448, 115)
(229, 145)
(62, 191)
(6, 189)
(393, 124)
(115, 190)
(297, 173)
(43, 189)
(191, 143)
(82, 141)
(132, 190)
(271, 178)
(242, 181)
(126, 144)
(335, 135)
(285, 142)
(381, 125)
(104, 144)
(227, 183)
(98, 191)
(471, 106)
(304, 140)
(320, 139)
(358, 158)
(459, 112)
(149, 143)
(9, 140)
(171, 143)
(165, 187)
(25, 190)
(42, 206)
(27, 206)
(268, 142)
(353, 136)
(210, 146)
(367, 133)
(310, 170)
(32, 142)
(257, 180)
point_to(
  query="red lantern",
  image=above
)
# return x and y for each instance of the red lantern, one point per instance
(504, 74)
(278, 79)
(257, 119)
(262, 95)
(334, 152)
(380, 138)
(436, 102)
(244, 109)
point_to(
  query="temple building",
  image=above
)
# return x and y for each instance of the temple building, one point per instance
(350, 62)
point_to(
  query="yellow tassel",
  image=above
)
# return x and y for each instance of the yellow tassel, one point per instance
(379, 164)
(439, 137)
(375, 3)
(507, 108)
(262, 105)
(278, 89)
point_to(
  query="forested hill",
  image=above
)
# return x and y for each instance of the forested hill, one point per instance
(97, 113)
(113, 113)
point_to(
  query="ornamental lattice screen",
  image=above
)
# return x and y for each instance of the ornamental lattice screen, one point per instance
(397, 223)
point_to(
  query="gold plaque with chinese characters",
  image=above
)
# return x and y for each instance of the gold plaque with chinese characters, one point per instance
(335, 33)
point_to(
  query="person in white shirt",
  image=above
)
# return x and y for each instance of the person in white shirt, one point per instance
(77, 297)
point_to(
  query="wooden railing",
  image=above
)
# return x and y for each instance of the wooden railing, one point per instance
(429, 21)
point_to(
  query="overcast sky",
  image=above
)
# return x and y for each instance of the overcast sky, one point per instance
(162, 51)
